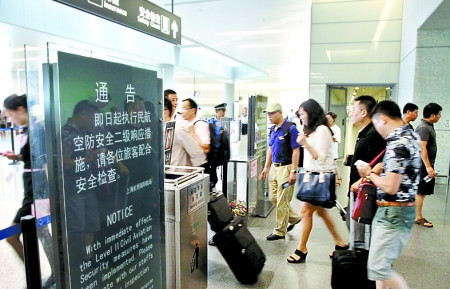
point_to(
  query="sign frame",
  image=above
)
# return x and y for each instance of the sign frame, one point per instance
(139, 15)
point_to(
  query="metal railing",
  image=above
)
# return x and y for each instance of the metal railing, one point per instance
(28, 227)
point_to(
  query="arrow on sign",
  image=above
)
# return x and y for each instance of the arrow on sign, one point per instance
(174, 28)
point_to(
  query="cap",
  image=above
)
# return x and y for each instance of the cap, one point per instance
(273, 107)
(221, 106)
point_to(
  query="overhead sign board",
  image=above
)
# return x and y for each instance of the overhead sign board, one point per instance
(140, 15)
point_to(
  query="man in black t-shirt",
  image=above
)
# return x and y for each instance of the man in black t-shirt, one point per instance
(368, 145)
(369, 142)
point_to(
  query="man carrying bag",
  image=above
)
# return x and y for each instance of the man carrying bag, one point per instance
(397, 189)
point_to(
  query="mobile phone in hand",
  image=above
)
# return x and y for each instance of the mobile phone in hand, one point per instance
(359, 163)
(286, 185)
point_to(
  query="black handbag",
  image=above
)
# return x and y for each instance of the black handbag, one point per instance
(317, 188)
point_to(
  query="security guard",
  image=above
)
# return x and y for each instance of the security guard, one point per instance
(221, 150)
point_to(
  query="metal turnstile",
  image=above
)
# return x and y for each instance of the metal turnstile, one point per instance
(186, 196)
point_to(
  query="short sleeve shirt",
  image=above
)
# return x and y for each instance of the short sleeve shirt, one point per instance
(185, 150)
(402, 157)
(337, 135)
(427, 133)
(201, 129)
(277, 140)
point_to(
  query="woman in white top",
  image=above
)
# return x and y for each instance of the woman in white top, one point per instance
(317, 139)
(331, 117)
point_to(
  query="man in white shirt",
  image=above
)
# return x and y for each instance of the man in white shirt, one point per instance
(185, 150)
(197, 128)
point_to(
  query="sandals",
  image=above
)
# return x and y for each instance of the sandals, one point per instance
(338, 181)
(338, 248)
(424, 223)
(299, 260)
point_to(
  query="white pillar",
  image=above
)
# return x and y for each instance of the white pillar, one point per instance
(168, 79)
(228, 96)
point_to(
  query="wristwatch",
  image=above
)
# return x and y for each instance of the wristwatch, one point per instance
(293, 171)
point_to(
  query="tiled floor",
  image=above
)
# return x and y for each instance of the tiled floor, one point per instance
(424, 263)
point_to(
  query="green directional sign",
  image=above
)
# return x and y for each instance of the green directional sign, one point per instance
(140, 15)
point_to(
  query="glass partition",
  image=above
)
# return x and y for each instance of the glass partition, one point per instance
(12, 81)
(34, 58)
(96, 122)
(258, 131)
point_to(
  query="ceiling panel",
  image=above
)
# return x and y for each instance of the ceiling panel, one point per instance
(357, 11)
(370, 73)
(356, 52)
(264, 34)
(356, 32)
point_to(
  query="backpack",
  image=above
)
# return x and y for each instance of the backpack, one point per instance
(287, 137)
(217, 155)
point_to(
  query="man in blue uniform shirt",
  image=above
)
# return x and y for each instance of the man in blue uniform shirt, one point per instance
(282, 159)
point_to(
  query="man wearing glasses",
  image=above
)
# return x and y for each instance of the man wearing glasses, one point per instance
(199, 130)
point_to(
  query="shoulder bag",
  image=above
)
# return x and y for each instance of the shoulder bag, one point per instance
(366, 199)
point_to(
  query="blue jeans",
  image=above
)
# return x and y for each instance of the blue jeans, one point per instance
(391, 229)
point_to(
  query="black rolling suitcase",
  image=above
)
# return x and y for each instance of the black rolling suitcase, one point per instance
(240, 250)
(349, 267)
(219, 212)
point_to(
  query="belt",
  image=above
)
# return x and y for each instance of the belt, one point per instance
(394, 204)
(280, 164)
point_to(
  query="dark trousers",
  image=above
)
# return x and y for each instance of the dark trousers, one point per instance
(211, 169)
(244, 128)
